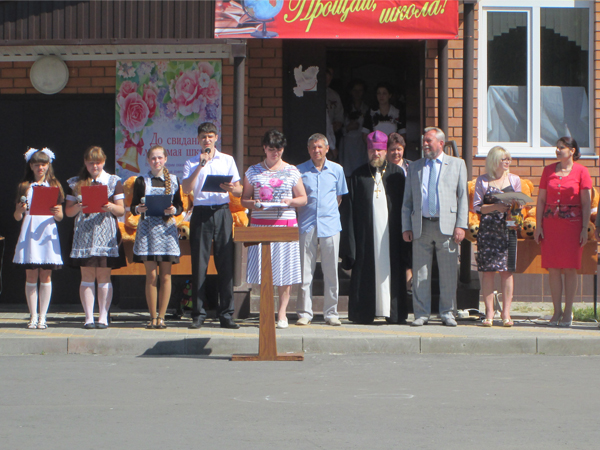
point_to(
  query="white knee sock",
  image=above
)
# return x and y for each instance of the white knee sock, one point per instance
(105, 291)
(45, 294)
(31, 294)
(86, 293)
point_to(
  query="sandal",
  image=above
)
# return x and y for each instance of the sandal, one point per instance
(33, 322)
(42, 325)
(160, 323)
(152, 324)
(507, 323)
(487, 322)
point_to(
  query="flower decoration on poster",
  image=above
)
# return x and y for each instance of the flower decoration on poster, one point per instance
(163, 102)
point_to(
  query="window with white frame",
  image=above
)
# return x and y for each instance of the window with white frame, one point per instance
(534, 75)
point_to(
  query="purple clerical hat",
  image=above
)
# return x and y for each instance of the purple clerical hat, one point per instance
(377, 140)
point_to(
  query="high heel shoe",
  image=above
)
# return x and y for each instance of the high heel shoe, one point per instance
(152, 324)
(160, 323)
(554, 323)
(487, 322)
(566, 324)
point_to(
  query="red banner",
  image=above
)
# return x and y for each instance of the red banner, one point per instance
(337, 19)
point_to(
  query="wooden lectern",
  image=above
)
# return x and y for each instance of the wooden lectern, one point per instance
(267, 344)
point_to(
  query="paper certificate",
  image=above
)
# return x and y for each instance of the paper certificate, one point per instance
(267, 205)
(44, 198)
(94, 198)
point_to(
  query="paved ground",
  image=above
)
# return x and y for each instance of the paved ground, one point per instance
(327, 402)
(127, 336)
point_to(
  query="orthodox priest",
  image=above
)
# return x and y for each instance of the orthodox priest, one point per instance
(371, 241)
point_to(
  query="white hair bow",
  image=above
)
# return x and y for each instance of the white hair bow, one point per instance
(45, 150)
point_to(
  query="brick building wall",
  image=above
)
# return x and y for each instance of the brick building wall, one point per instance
(265, 93)
(530, 168)
(85, 77)
(455, 87)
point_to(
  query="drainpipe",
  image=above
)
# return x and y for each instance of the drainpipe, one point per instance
(467, 123)
(238, 51)
(443, 86)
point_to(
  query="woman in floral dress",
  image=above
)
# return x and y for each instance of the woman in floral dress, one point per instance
(272, 191)
(496, 243)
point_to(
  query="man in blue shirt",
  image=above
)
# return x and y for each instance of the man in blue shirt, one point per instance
(320, 224)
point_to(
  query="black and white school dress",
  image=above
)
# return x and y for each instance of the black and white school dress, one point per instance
(390, 123)
(38, 246)
(156, 238)
(96, 236)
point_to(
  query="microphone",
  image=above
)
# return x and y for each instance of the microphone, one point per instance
(206, 150)
(79, 199)
(23, 199)
(143, 203)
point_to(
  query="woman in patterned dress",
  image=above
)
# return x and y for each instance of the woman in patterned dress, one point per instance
(496, 243)
(96, 238)
(273, 181)
(563, 214)
(156, 238)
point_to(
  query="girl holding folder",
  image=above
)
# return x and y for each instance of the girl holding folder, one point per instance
(38, 248)
(96, 236)
(156, 238)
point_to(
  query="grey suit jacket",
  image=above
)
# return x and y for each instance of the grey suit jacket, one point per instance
(452, 192)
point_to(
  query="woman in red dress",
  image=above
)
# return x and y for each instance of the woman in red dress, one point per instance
(563, 213)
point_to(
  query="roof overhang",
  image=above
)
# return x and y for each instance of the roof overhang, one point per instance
(68, 52)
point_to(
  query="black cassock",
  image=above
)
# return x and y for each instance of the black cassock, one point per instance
(356, 243)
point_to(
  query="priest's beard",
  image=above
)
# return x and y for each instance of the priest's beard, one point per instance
(377, 162)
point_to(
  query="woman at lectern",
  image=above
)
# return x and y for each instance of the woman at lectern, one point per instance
(272, 191)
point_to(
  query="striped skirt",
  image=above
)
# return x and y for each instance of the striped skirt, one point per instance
(285, 261)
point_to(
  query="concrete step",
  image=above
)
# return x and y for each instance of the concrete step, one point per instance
(127, 336)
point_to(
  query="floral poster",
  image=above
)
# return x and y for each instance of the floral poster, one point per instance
(162, 103)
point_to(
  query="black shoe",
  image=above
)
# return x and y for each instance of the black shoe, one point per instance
(399, 322)
(101, 326)
(89, 326)
(197, 322)
(228, 323)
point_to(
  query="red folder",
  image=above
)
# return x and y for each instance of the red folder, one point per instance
(94, 198)
(44, 198)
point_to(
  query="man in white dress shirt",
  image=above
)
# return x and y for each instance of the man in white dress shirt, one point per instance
(211, 222)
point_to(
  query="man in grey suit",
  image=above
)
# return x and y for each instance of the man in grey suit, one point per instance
(434, 217)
